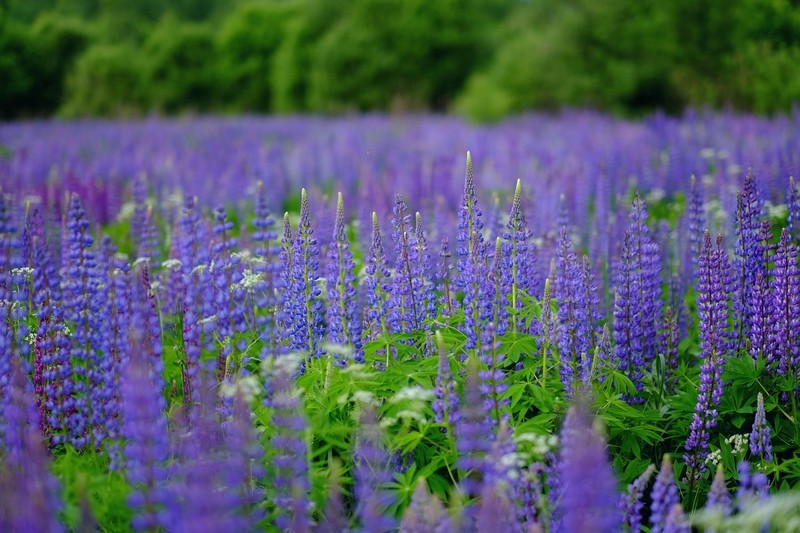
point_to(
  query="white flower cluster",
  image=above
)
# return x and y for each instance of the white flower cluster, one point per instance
(540, 444)
(25, 272)
(172, 264)
(248, 387)
(414, 393)
(739, 443)
(288, 363)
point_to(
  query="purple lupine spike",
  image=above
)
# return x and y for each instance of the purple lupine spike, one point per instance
(518, 249)
(344, 324)
(447, 300)
(718, 495)
(378, 285)
(241, 463)
(492, 383)
(267, 268)
(676, 521)
(288, 449)
(445, 406)
(761, 327)
(547, 325)
(147, 449)
(30, 500)
(553, 511)
(470, 226)
(574, 322)
(589, 495)
(637, 305)
(760, 440)
(406, 310)
(139, 216)
(751, 486)
(85, 311)
(425, 513)
(474, 298)
(202, 468)
(287, 300)
(225, 275)
(495, 511)
(149, 239)
(793, 206)
(712, 311)
(532, 494)
(52, 365)
(631, 503)
(784, 347)
(496, 289)
(750, 257)
(421, 264)
(307, 322)
(697, 223)
(670, 340)
(664, 496)
(371, 474)
(471, 432)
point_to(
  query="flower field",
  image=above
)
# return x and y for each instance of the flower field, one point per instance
(566, 323)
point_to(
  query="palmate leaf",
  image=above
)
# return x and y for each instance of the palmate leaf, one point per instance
(516, 345)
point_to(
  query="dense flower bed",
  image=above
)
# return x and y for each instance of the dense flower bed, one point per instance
(607, 343)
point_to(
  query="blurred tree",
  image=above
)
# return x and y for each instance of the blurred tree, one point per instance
(64, 38)
(176, 57)
(246, 45)
(106, 80)
(293, 58)
(22, 71)
(414, 54)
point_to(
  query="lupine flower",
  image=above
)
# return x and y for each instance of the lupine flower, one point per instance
(492, 383)
(471, 432)
(378, 285)
(287, 300)
(751, 486)
(371, 473)
(425, 514)
(445, 406)
(637, 305)
(575, 331)
(444, 279)
(288, 449)
(676, 521)
(718, 495)
(496, 288)
(407, 303)
(470, 227)
(306, 317)
(784, 346)
(760, 441)
(344, 322)
(421, 264)
(472, 278)
(267, 268)
(495, 511)
(147, 451)
(86, 308)
(518, 269)
(30, 494)
(712, 312)
(589, 495)
(697, 222)
(793, 207)
(749, 258)
(631, 503)
(664, 496)
(761, 327)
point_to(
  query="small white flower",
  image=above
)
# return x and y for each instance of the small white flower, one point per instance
(412, 393)
(172, 264)
(365, 397)
(707, 153)
(140, 261)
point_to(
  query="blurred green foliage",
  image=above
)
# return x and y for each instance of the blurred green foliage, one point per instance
(483, 58)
